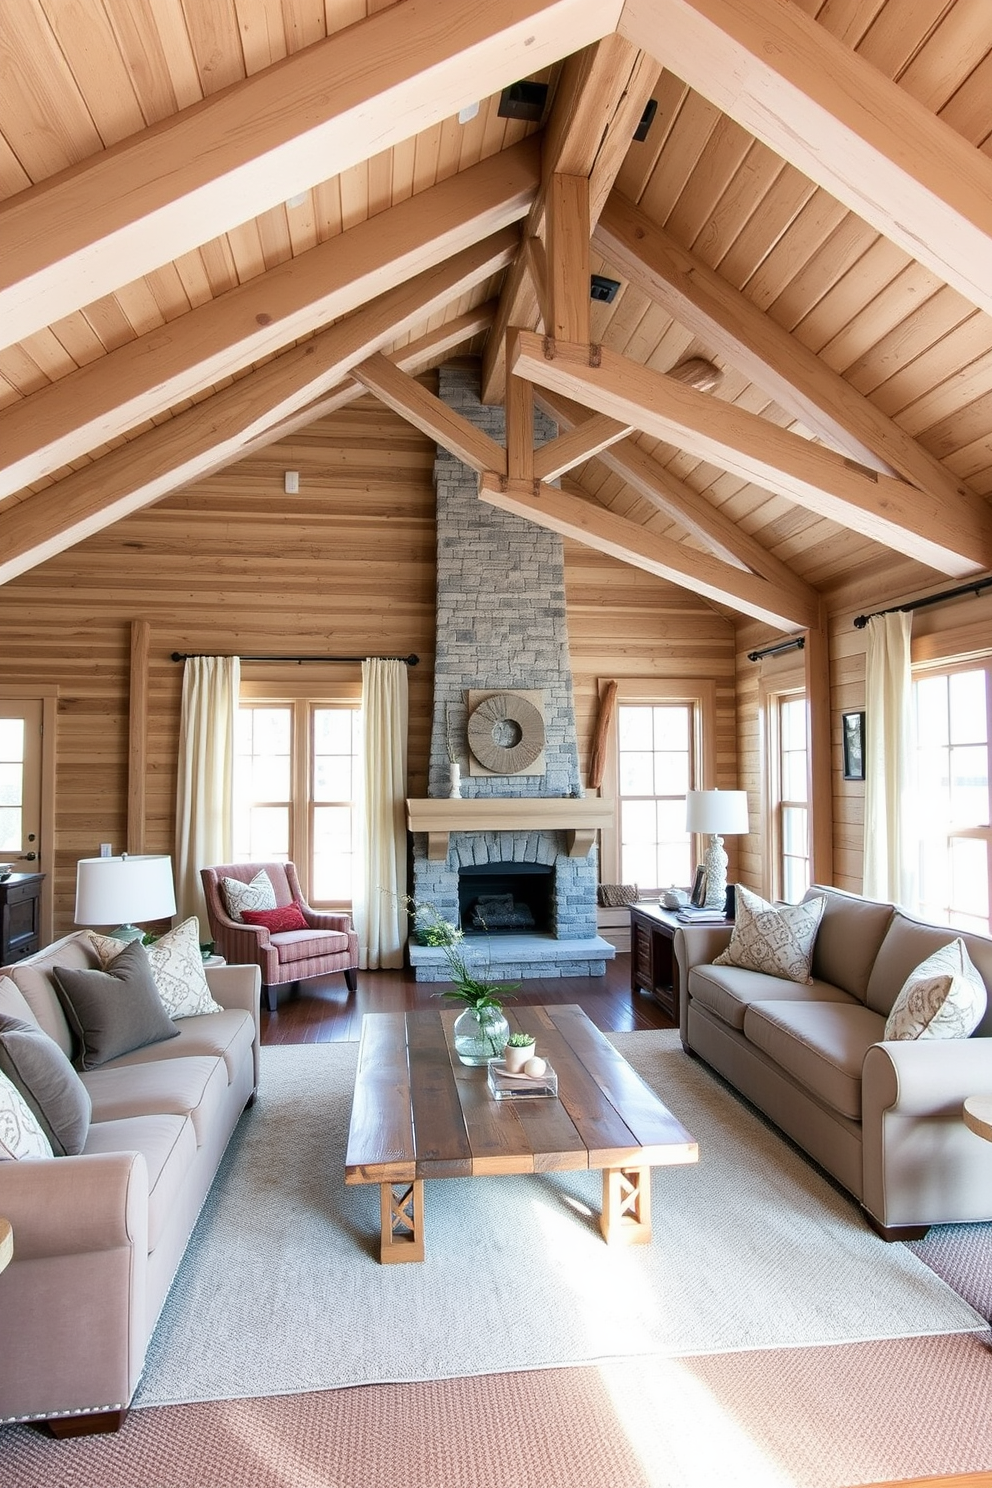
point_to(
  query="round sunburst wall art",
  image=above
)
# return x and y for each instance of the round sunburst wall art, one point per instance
(506, 733)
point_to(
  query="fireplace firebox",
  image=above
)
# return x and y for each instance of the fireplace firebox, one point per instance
(506, 899)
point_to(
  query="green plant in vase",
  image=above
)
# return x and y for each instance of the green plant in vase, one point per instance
(481, 1031)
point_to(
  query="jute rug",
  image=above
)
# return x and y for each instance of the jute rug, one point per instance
(280, 1292)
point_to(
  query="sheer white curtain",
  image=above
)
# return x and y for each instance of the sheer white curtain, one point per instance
(205, 793)
(890, 817)
(380, 890)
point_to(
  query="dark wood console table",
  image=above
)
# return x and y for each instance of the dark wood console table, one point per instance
(20, 916)
(653, 967)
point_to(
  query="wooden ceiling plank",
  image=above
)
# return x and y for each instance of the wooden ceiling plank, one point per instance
(838, 120)
(601, 95)
(420, 407)
(184, 181)
(596, 527)
(147, 375)
(726, 320)
(215, 432)
(954, 539)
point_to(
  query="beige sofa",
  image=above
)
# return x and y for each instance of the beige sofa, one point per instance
(884, 1118)
(98, 1237)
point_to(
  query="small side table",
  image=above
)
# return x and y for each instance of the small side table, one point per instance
(977, 1114)
(214, 961)
(6, 1242)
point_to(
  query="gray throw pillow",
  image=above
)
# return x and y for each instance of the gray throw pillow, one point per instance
(49, 1084)
(114, 1011)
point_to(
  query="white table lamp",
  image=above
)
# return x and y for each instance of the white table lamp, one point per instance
(717, 814)
(120, 891)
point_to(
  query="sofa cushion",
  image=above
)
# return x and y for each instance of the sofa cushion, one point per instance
(176, 965)
(848, 940)
(114, 1011)
(774, 939)
(226, 1035)
(302, 945)
(909, 941)
(728, 991)
(944, 997)
(288, 917)
(20, 1133)
(34, 980)
(168, 1145)
(238, 896)
(194, 1087)
(52, 1088)
(822, 1045)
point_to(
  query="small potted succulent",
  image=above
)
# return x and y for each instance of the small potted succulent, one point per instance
(519, 1048)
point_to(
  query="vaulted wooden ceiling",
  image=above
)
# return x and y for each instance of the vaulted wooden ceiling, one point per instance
(222, 218)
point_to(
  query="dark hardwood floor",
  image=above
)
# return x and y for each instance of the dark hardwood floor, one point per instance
(322, 1010)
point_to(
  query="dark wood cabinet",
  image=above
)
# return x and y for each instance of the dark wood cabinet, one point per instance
(653, 967)
(20, 916)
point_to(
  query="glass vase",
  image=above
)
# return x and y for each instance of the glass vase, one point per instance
(480, 1036)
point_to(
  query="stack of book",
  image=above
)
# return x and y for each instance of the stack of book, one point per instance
(690, 915)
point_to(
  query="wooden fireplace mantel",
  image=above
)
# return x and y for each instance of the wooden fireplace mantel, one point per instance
(580, 819)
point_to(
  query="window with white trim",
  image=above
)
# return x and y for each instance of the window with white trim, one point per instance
(792, 804)
(296, 791)
(655, 769)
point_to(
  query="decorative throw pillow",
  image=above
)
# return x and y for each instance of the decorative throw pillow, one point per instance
(51, 1087)
(775, 939)
(20, 1134)
(238, 896)
(944, 998)
(176, 967)
(289, 917)
(115, 1011)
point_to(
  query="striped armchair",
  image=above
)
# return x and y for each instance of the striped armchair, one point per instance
(328, 944)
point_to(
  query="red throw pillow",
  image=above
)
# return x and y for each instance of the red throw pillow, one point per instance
(289, 917)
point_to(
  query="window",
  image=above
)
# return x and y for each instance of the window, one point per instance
(296, 784)
(792, 836)
(952, 753)
(655, 757)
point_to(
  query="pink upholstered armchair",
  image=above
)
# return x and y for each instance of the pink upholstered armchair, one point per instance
(328, 944)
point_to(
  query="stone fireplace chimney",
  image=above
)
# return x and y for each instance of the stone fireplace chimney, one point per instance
(502, 628)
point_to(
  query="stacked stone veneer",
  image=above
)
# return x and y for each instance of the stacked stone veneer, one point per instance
(501, 625)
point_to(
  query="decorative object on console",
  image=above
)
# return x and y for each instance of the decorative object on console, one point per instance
(673, 898)
(176, 963)
(777, 940)
(116, 1011)
(238, 896)
(717, 814)
(121, 891)
(944, 998)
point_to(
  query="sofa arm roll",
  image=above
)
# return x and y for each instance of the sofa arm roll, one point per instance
(64, 1206)
(236, 987)
(698, 945)
(319, 921)
(925, 1077)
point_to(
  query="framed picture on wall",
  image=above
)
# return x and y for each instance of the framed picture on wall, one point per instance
(854, 746)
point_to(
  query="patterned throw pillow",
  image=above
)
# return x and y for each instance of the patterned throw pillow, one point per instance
(944, 998)
(775, 940)
(238, 896)
(176, 966)
(289, 917)
(20, 1134)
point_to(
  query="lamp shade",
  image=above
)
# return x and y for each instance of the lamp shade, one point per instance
(114, 891)
(721, 813)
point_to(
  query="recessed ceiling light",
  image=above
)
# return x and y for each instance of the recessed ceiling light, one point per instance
(603, 289)
(523, 101)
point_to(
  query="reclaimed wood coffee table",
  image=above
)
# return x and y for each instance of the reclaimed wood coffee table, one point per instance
(419, 1113)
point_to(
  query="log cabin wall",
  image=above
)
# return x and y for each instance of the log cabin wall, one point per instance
(233, 564)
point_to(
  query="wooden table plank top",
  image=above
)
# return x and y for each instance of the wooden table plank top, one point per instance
(439, 1119)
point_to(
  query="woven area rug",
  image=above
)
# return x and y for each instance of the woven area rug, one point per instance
(280, 1291)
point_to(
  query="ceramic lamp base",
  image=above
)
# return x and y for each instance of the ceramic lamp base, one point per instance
(715, 863)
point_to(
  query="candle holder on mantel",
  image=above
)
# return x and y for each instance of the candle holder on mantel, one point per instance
(455, 777)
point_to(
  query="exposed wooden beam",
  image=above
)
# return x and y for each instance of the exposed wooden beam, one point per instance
(216, 431)
(519, 430)
(420, 407)
(677, 501)
(194, 176)
(954, 540)
(601, 95)
(149, 375)
(415, 357)
(568, 257)
(589, 523)
(838, 119)
(589, 437)
(729, 323)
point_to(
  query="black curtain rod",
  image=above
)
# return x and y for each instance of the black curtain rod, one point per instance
(919, 604)
(798, 643)
(410, 660)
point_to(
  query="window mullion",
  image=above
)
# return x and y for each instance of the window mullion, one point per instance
(299, 848)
